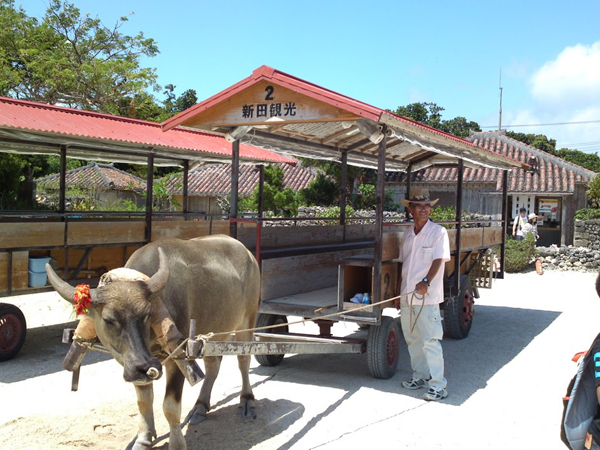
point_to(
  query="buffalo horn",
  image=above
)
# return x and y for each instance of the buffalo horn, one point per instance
(64, 289)
(159, 279)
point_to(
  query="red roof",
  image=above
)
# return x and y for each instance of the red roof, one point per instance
(551, 174)
(56, 120)
(303, 87)
(215, 179)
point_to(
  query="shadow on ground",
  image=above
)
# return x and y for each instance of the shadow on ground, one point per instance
(42, 354)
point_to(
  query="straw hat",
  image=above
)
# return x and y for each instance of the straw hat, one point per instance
(419, 195)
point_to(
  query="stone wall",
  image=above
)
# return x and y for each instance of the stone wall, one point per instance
(587, 234)
(580, 259)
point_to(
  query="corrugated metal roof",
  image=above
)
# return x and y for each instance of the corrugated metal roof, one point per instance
(551, 175)
(215, 179)
(408, 141)
(69, 126)
(104, 176)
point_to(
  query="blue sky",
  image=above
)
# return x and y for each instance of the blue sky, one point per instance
(389, 53)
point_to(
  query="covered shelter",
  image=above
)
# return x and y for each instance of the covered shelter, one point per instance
(34, 128)
(275, 110)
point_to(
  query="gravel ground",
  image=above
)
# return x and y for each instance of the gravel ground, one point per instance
(506, 382)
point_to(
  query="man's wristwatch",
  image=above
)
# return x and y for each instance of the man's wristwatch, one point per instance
(426, 280)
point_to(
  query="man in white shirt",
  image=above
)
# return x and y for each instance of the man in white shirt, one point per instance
(424, 250)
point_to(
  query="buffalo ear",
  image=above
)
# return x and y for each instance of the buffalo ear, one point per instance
(160, 278)
(64, 289)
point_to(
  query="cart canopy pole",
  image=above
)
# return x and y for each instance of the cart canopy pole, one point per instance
(261, 190)
(380, 199)
(186, 175)
(235, 170)
(63, 179)
(344, 179)
(459, 192)
(408, 183)
(504, 221)
(149, 199)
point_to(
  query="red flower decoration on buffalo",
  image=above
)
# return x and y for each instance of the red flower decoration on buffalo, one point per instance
(82, 299)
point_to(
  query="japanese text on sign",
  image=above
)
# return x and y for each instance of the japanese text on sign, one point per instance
(269, 109)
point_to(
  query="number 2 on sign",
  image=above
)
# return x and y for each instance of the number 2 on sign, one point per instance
(269, 90)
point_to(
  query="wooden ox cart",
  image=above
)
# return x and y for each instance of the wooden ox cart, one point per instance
(312, 272)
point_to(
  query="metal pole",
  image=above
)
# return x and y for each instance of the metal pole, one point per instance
(408, 186)
(504, 221)
(235, 169)
(261, 190)
(149, 198)
(459, 192)
(63, 179)
(186, 175)
(344, 180)
(380, 196)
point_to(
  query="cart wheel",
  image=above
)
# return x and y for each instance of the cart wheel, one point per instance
(13, 329)
(459, 311)
(265, 320)
(382, 348)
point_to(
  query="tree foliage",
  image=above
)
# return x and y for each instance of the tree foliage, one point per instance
(431, 114)
(539, 141)
(322, 191)
(70, 59)
(593, 192)
(590, 161)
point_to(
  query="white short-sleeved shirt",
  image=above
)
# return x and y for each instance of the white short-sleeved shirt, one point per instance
(520, 226)
(417, 253)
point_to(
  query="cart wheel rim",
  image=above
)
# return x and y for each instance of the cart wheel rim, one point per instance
(392, 347)
(10, 332)
(468, 307)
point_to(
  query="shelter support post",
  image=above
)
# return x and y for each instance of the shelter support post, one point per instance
(186, 177)
(504, 221)
(379, 205)
(459, 195)
(261, 190)
(149, 199)
(344, 180)
(235, 170)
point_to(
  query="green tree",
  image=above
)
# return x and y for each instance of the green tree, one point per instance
(70, 59)
(275, 197)
(539, 141)
(431, 114)
(593, 192)
(322, 191)
(590, 161)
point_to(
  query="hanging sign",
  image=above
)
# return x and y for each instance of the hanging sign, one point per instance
(268, 103)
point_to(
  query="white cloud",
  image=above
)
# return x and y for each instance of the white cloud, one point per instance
(566, 89)
(572, 79)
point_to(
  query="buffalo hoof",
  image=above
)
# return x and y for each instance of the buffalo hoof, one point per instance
(247, 411)
(196, 415)
(139, 444)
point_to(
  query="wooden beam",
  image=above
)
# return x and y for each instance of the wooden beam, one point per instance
(63, 179)
(186, 170)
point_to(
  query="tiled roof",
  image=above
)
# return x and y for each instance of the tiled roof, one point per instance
(65, 124)
(103, 176)
(551, 175)
(215, 179)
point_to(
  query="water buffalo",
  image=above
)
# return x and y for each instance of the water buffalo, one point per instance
(212, 279)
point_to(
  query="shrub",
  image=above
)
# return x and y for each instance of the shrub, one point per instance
(334, 211)
(593, 192)
(518, 254)
(586, 214)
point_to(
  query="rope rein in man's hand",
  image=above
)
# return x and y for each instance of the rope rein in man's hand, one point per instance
(207, 337)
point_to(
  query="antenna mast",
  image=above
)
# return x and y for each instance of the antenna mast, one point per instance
(500, 112)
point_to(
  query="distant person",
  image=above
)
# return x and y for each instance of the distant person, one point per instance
(531, 226)
(424, 250)
(519, 223)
